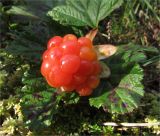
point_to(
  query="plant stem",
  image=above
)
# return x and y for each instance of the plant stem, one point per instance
(131, 124)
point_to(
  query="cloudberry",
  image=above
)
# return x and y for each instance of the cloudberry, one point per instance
(71, 64)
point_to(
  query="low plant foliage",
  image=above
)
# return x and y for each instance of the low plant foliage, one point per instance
(129, 94)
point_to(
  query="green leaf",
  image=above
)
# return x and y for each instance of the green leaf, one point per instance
(3, 75)
(20, 10)
(34, 9)
(124, 97)
(38, 101)
(121, 92)
(32, 41)
(136, 53)
(84, 12)
(71, 98)
(154, 59)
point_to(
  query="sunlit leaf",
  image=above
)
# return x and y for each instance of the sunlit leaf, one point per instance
(124, 97)
(84, 12)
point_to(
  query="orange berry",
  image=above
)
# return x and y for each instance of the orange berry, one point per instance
(88, 54)
(69, 37)
(85, 69)
(79, 79)
(85, 42)
(46, 67)
(45, 55)
(71, 64)
(54, 41)
(96, 68)
(93, 81)
(58, 78)
(84, 91)
(69, 88)
(70, 47)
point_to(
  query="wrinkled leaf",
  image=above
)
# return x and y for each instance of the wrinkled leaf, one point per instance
(135, 53)
(121, 92)
(124, 97)
(84, 12)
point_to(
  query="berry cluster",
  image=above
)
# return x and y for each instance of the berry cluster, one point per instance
(71, 64)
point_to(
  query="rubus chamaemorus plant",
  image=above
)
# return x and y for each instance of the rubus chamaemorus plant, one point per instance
(109, 75)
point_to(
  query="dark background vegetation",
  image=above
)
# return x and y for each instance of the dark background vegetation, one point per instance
(23, 40)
